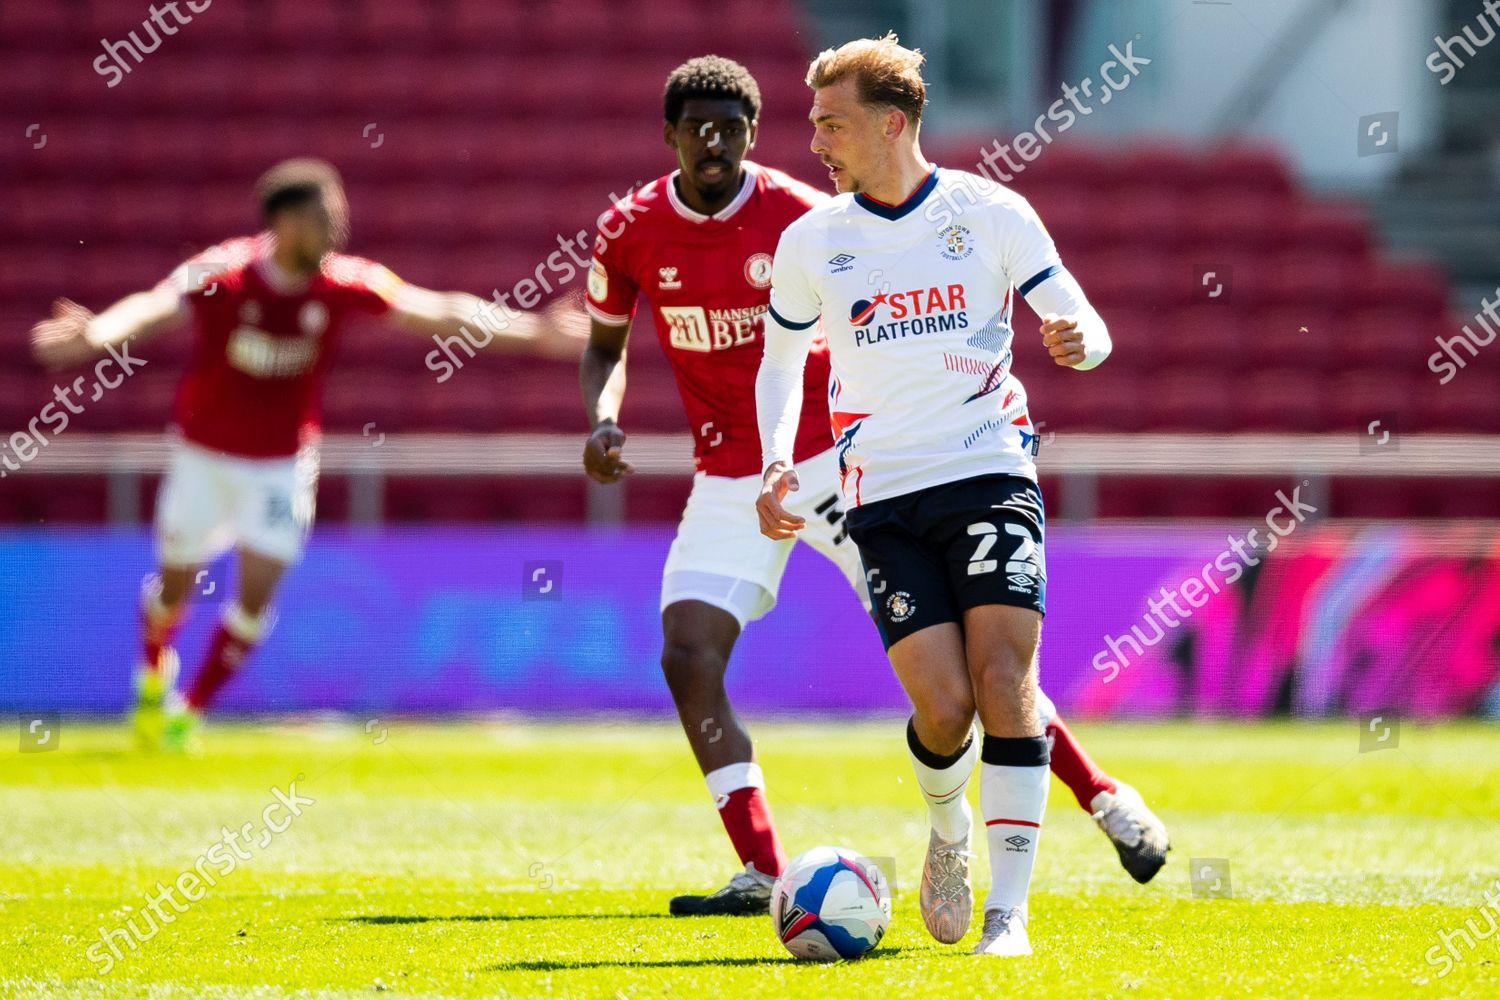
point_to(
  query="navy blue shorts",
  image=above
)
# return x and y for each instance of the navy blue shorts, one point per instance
(931, 555)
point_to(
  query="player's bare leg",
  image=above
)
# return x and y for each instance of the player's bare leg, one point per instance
(930, 665)
(164, 600)
(698, 640)
(244, 623)
(1000, 645)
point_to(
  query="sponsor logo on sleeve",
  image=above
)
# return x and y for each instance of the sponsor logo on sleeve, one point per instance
(598, 281)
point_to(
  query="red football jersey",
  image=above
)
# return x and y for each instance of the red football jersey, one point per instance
(254, 384)
(708, 279)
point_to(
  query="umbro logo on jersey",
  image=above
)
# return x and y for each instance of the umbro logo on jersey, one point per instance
(843, 262)
(668, 279)
(1018, 842)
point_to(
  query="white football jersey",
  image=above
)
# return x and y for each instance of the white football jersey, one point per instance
(916, 304)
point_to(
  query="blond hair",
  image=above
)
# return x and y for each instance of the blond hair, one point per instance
(886, 73)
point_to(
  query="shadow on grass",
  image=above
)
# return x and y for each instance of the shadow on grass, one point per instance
(681, 963)
(491, 917)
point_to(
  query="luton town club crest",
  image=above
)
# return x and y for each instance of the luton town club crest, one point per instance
(957, 242)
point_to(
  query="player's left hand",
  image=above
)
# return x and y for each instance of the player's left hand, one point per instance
(61, 341)
(1063, 339)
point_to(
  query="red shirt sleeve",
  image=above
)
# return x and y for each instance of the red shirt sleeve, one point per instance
(368, 287)
(612, 291)
(198, 271)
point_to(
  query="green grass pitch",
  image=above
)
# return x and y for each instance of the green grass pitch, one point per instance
(511, 858)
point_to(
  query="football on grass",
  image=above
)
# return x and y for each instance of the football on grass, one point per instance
(830, 904)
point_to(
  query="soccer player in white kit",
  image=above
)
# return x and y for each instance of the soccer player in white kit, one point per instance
(935, 451)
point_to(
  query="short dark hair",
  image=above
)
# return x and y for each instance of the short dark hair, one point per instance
(292, 183)
(710, 77)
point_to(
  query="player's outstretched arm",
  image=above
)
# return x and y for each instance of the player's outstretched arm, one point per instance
(557, 331)
(73, 335)
(778, 407)
(601, 376)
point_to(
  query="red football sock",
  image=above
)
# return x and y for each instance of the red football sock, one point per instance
(234, 637)
(739, 792)
(1071, 763)
(747, 819)
(158, 623)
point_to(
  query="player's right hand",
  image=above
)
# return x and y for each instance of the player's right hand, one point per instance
(775, 520)
(601, 455)
(60, 341)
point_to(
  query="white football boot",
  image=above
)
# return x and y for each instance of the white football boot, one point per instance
(1004, 933)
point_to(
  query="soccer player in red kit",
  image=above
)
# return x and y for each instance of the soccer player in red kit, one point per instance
(267, 312)
(699, 242)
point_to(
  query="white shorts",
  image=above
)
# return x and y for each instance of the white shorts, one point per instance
(210, 502)
(720, 557)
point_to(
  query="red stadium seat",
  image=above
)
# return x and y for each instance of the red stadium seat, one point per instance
(1164, 164)
(1331, 229)
(1467, 404)
(498, 127)
(1206, 337)
(1286, 399)
(1249, 167)
(1106, 400)
(1304, 279)
(1309, 338)
(1243, 219)
(1354, 398)
(1191, 401)
(383, 23)
(40, 24)
(1402, 284)
(1396, 338)
(296, 23)
(1153, 217)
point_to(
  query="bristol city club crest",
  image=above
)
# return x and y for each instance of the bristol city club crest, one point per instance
(758, 270)
(313, 319)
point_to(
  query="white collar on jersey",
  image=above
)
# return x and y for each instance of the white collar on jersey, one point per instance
(276, 275)
(747, 188)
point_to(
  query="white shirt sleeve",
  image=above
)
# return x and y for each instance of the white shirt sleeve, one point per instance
(1060, 293)
(795, 302)
(790, 329)
(1034, 267)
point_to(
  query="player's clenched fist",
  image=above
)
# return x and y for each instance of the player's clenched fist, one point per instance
(1063, 339)
(601, 455)
(775, 520)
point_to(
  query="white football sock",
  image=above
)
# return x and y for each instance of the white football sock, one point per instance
(946, 789)
(1012, 798)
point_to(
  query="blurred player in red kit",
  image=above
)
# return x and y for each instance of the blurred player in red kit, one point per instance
(699, 243)
(267, 311)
